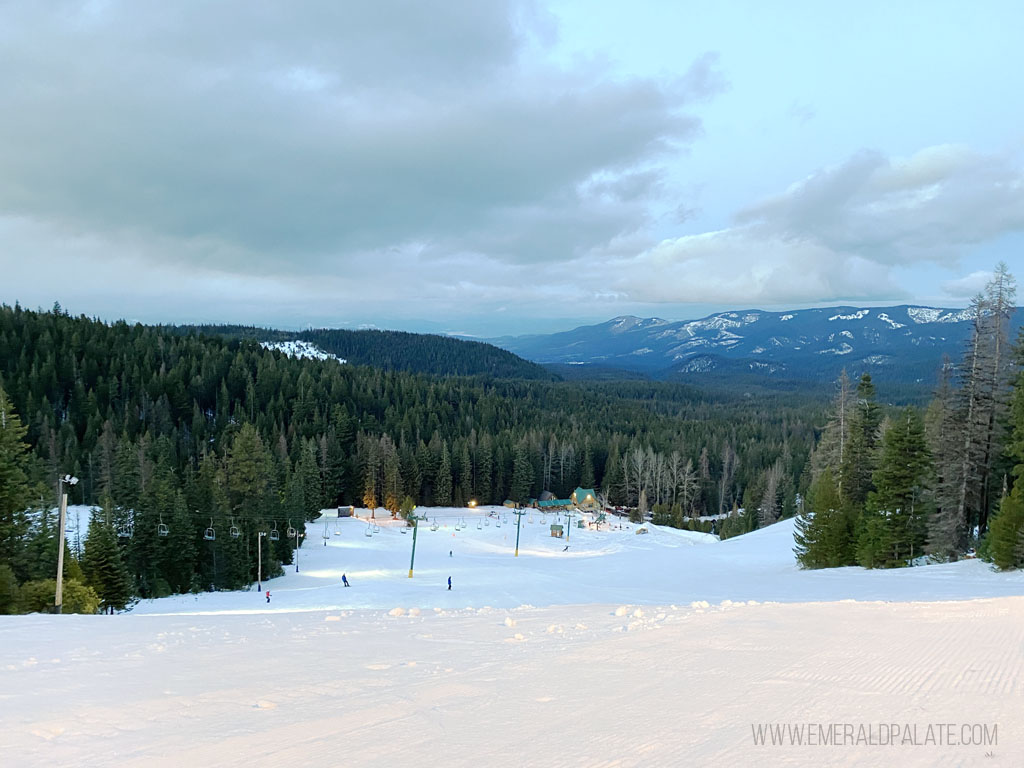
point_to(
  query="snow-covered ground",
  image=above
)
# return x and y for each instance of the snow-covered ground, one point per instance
(659, 649)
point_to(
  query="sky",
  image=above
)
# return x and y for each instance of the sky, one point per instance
(504, 167)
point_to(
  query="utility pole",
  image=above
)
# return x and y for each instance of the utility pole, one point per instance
(519, 521)
(259, 561)
(568, 530)
(58, 599)
(415, 528)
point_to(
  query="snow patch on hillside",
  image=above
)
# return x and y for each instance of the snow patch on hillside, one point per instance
(842, 349)
(859, 315)
(892, 323)
(299, 348)
(932, 315)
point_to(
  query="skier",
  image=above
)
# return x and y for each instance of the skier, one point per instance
(449, 553)
(268, 595)
(449, 583)
(344, 579)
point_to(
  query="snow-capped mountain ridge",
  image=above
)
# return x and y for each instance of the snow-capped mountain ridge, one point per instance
(907, 341)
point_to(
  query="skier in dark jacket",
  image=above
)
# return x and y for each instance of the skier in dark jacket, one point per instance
(449, 583)
(344, 580)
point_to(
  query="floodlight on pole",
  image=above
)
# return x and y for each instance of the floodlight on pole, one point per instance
(519, 521)
(62, 504)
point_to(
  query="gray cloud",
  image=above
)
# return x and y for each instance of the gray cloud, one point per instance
(266, 138)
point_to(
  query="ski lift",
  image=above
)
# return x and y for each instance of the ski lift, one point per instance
(327, 534)
(497, 522)
(487, 521)
(369, 530)
(405, 529)
(124, 531)
(504, 519)
(233, 530)
(337, 527)
(161, 527)
(376, 528)
(434, 526)
(274, 534)
(210, 534)
(289, 531)
(479, 525)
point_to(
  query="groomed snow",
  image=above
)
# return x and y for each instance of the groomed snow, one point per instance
(625, 649)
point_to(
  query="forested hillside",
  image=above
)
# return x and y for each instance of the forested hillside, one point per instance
(395, 350)
(192, 431)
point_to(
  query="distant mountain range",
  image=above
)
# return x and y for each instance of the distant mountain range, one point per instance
(902, 344)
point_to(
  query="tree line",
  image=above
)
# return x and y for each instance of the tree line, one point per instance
(890, 490)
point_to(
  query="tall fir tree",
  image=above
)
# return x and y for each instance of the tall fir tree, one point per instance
(895, 526)
(15, 488)
(102, 564)
(825, 526)
(1006, 534)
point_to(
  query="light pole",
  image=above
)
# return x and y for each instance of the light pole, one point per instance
(58, 599)
(519, 521)
(297, 534)
(259, 561)
(415, 527)
(568, 516)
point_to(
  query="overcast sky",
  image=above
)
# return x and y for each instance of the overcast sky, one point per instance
(504, 167)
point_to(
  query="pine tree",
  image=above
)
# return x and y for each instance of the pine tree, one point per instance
(1006, 534)
(825, 527)
(522, 474)
(831, 451)
(15, 489)
(944, 431)
(898, 507)
(103, 565)
(859, 456)
(443, 484)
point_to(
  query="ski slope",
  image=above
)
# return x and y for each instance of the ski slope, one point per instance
(664, 566)
(666, 648)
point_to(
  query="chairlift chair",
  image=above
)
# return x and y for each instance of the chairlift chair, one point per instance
(124, 531)
(162, 529)
(479, 525)
(274, 533)
(290, 531)
(210, 534)
(233, 531)
(369, 530)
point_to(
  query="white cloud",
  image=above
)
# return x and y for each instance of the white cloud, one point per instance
(842, 233)
(965, 287)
